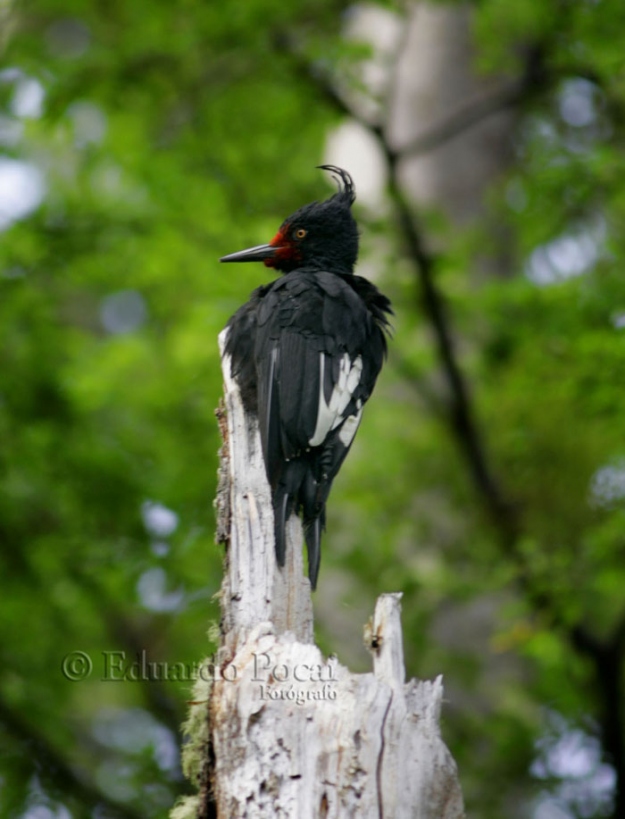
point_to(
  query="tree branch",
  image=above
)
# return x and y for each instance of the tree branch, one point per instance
(134, 640)
(607, 660)
(465, 117)
(460, 412)
(50, 763)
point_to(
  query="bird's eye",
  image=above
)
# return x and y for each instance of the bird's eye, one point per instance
(300, 233)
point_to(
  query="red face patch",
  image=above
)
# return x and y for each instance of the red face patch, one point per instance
(286, 249)
(279, 239)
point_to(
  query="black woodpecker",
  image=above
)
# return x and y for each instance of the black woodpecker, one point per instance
(306, 351)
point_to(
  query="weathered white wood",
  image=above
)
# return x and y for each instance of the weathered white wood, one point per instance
(419, 777)
(294, 734)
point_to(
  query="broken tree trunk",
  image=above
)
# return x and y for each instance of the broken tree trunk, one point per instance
(289, 732)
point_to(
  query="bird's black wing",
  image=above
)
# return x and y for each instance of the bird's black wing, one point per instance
(318, 352)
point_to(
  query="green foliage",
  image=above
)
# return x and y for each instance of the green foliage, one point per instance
(169, 135)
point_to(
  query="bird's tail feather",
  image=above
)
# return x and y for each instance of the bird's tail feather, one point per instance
(298, 491)
(282, 508)
(285, 502)
(312, 533)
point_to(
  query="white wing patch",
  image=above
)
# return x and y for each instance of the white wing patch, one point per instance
(330, 415)
(350, 428)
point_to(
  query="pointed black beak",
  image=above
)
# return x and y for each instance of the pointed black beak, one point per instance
(252, 254)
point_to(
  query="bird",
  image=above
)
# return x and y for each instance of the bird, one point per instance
(305, 352)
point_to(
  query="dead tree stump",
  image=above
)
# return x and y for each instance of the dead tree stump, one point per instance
(290, 733)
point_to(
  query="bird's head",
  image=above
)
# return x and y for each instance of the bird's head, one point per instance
(322, 235)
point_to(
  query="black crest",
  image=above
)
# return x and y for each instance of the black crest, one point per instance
(343, 180)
